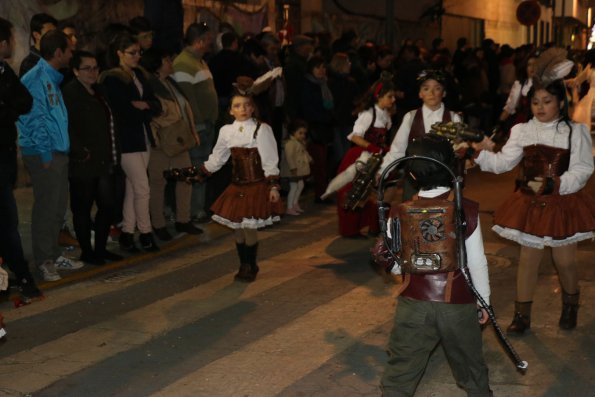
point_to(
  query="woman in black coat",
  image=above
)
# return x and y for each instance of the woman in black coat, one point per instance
(94, 155)
(134, 105)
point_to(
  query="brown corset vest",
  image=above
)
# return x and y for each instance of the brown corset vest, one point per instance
(247, 167)
(542, 161)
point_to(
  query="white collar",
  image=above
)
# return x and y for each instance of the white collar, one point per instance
(426, 111)
(431, 193)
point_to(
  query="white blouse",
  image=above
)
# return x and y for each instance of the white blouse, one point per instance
(241, 134)
(401, 140)
(515, 94)
(551, 134)
(364, 121)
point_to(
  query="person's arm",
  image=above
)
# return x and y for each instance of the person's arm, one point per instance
(78, 151)
(15, 99)
(505, 160)
(478, 263)
(399, 143)
(221, 152)
(267, 148)
(291, 153)
(36, 121)
(580, 167)
(512, 101)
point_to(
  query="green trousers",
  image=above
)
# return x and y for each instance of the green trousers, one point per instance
(419, 326)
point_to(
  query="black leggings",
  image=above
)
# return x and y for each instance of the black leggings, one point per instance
(83, 193)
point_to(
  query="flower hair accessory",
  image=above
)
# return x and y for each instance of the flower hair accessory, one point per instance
(550, 66)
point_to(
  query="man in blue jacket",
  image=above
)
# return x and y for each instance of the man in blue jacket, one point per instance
(44, 142)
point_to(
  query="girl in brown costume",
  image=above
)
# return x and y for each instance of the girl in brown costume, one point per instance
(251, 201)
(549, 206)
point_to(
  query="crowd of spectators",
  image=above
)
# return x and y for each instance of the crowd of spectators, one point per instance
(104, 122)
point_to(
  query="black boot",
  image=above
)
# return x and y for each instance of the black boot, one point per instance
(148, 242)
(522, 318)
(126, 241)
(569, 310)
(251, 251)
(243, 273)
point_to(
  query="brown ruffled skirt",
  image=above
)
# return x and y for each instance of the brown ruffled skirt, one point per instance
(247, 206)
(554, 219)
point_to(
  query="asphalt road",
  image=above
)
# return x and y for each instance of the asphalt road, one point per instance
(315, 322)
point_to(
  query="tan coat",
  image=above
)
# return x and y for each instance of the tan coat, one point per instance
(295, 157)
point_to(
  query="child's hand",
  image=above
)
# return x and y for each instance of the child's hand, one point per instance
(274, 195)
(483, 315)
(536, 185)
(486, 144)
(140, 105)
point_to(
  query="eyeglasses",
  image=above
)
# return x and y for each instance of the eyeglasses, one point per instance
(132, 53)
(89, 68)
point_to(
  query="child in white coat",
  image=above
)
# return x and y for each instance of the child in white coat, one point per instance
(295, 164)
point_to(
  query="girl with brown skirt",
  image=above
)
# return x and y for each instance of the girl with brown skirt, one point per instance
(252, 200)
(549, 206)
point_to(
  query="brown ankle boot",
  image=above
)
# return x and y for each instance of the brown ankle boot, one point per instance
(569, 310)
(522, 318)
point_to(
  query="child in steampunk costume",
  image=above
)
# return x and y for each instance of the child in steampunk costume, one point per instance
(549, 206)
(369, 135)
(418, 122)
(252, 200)
(435, 303)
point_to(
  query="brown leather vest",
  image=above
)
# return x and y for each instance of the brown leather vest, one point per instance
(247, 167)
(542, 161)
(443, 286)
(418, 128)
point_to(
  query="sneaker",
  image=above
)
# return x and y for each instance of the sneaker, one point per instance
(64, 263)
(147, 242)
(66, 239)
(188, 227)
(28, 288)
(114, 233)
(162, 234)
(49, 272)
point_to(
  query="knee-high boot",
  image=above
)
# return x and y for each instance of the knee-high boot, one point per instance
(522, 318)
(251, 252)
(569, 310)
(244, 271)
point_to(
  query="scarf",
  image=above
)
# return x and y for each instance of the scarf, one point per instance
(327, 95)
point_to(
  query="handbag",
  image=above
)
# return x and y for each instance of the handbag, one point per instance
(176, 138)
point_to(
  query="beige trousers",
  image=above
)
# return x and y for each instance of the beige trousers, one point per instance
(136, 198)
(158, 163)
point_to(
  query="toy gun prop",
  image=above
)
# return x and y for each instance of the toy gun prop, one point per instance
(456, 131)
(362, 184)
(188, 174)
(461, 248)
